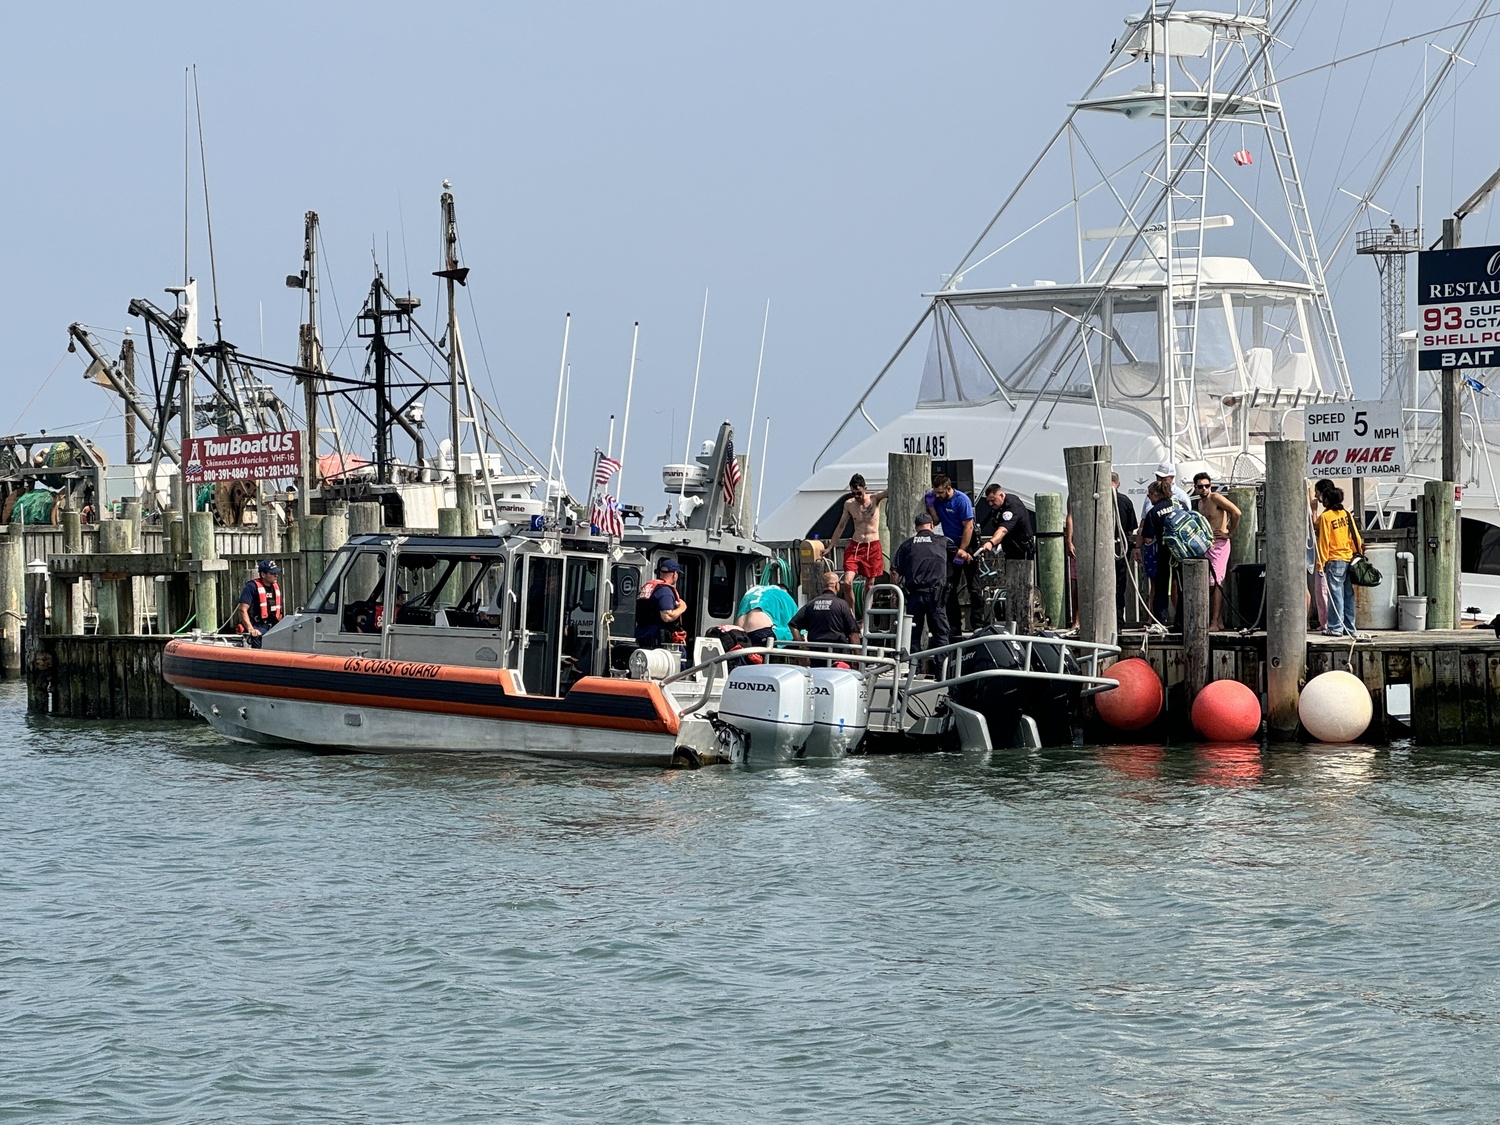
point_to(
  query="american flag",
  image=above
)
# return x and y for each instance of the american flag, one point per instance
(606, 516)
(731, 472)
(607, 468)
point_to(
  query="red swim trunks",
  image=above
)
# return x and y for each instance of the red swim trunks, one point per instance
(864, 558)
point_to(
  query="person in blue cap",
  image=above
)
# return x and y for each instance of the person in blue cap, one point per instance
(659, 609)
(259, 606)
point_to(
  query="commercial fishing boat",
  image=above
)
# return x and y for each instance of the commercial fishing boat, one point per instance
(1190, 322)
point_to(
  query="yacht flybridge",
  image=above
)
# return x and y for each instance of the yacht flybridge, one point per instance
(1193, 319)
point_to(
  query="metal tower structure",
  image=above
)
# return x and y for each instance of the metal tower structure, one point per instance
(1389, 248)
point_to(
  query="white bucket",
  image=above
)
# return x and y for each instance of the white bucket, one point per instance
(1413, 614)
(1375, 606)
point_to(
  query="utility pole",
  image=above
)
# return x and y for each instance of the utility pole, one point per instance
(127, 373)
(1452, 381)
(1453, 445)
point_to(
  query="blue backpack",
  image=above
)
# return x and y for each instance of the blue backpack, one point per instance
(1186, 534)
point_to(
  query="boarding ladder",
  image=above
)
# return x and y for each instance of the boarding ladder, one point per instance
(1185, 166)
(886, 631)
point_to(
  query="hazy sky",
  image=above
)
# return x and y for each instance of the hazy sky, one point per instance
(612, 161)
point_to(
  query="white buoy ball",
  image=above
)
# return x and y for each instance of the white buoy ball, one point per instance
(1335, 707)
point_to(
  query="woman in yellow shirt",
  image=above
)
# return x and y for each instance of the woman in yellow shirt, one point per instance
(1338, 543)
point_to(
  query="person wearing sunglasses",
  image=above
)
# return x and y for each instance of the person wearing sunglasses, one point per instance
(1223, 516)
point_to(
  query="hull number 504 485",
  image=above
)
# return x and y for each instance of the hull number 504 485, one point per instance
(934, 445)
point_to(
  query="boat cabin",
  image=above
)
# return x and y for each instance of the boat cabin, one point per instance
(553, 608)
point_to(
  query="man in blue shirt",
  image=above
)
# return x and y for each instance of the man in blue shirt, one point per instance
(259, 606)
(659, 609)
(954, 511)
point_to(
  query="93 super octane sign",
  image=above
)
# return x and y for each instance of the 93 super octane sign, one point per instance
(270, 456)
(1458, 302)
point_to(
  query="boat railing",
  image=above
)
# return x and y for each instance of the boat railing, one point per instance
(1087, 654)
(871, 665)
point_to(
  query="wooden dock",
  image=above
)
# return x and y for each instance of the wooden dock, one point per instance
(1452, 677)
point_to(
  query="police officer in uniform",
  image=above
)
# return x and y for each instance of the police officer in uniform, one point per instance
(922, 565)
(1006, 525)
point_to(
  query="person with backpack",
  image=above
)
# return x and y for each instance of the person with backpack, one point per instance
(1183, 532)
(1148, 540)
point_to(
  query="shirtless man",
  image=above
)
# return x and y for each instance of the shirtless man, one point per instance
(863, 555)
(1223, 516)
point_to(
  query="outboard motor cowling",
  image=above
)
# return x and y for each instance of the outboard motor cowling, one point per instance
(772, 706)
(841, 712)
(1052, 703)
(1000, 699)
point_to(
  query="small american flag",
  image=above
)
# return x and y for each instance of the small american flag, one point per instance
(731, 472)
(606, 516)
(1243, 158)
(607, 468)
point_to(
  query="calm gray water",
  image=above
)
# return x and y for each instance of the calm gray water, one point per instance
(191, 932)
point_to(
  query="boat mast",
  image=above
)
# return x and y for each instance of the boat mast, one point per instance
(458, 366)
(310, 357)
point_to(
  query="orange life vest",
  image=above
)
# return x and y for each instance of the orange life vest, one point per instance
(668, 633)
(270, 603)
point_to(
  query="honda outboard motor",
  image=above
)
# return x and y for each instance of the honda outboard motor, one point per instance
(841, 712)
(1000, 699)
(1052, 703)
(770, 706)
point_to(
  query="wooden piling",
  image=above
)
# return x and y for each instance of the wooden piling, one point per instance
(1241, 550)
(38, 666)
(365, 519)
(1286, 583)
(72, 525)
(1091, 502)
(203, 548)
(908, 480)
(67, 596)
(312, 548)
(130, 510)
(1438, 527)
(335, 530)
(12, 589)
(1196, 615)
(116, 605)
(464, 486)
(270, 528)
(1052, 558)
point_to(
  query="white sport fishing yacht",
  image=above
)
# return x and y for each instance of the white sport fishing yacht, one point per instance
(1192, 321)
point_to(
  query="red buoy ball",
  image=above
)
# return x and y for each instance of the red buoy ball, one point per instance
(1136, 702)
(1226, 711)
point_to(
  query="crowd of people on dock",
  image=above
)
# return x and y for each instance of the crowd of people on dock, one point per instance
(948, 566)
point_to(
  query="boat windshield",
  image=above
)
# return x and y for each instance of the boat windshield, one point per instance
(1028, 347)
(452, 589)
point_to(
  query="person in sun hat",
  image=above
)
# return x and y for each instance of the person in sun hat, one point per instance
(1166, 475)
